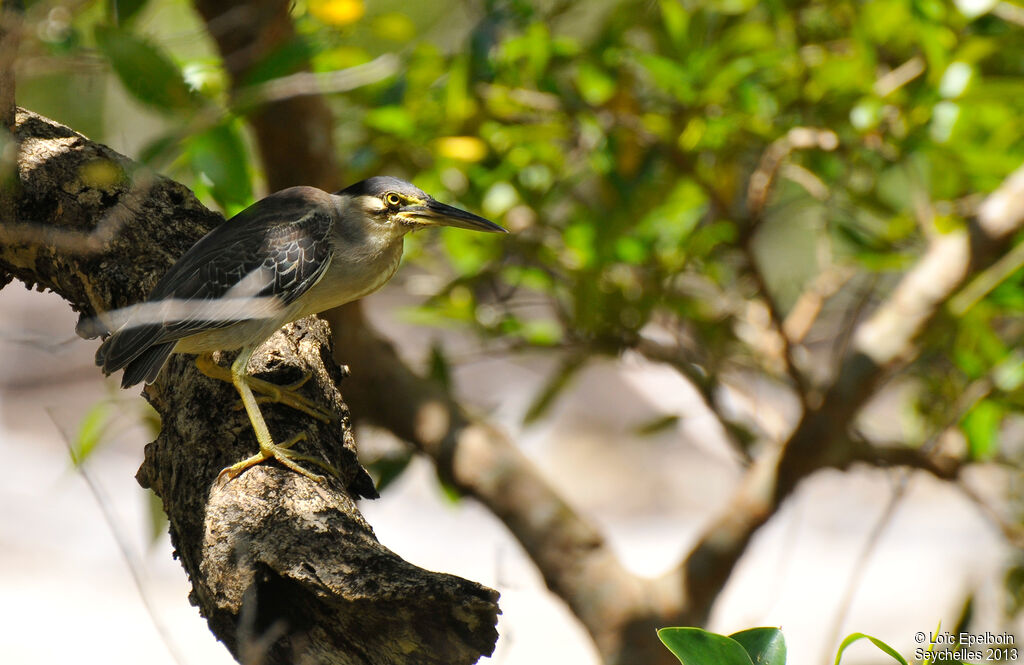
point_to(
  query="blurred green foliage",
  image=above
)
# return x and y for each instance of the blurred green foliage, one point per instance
(617, 139)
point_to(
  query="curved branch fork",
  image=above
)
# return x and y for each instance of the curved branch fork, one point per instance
(285, 570)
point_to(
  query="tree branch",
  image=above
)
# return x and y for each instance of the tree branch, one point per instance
(883, 343)
(618, 609)
(282, 568)
(758, 190)
(943, 467)
(575, 560)
(570, 552)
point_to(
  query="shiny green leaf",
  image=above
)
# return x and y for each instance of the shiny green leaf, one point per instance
(765, 646)
(90, 432)
(676, 20)
(220, 156)
(389, 468)
(439, 368)
(981, 427)
(123, 11)
(391, 120)
(595, 86)
(693, 646)
(146, 72)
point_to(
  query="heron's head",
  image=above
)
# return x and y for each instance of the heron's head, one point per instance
(393, 207)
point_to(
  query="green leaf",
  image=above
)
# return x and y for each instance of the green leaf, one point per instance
(219, 154)
(765, 646)
(853, 637)
(123, 11)
(90, 432)
(449, 491)
(146, 72)
(387, 469)
(675, 20)
(981, 427)
(595, 86)
(440, 369)
(693, 646)
(656, 425)
(467, 251)
(669, 75)
(554, 387)
(393, 120)
(161, 151)
(541, 332)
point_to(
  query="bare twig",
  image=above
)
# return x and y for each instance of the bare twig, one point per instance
(808, 306)
(860, 564)
(798, 138)
(135, 566)
(982, 285)
(945, 467)
(899, 77)
(319, 83)
(758, 190)
(889, 334)
(811, 183)
(680, 359)
(1009, 12)
(1011, 530)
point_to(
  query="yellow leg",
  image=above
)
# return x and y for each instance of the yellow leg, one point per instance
(269, 392)
(268, 449)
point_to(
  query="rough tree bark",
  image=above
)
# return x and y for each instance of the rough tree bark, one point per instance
(284, 569)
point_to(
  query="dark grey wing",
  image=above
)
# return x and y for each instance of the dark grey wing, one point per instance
(251, 267)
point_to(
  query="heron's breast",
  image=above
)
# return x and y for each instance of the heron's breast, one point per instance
(350, 277)
(230, 337)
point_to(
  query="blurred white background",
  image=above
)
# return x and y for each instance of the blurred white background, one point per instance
(62, 571)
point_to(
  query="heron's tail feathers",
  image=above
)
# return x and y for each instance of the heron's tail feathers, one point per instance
(146, 367)
(138, 349)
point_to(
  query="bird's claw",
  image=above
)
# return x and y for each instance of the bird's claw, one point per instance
(285, 456)
(287, 395)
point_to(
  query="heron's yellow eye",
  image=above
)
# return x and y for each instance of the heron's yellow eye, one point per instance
(392, 199)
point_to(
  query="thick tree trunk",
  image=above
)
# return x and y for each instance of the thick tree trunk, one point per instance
(285, 570)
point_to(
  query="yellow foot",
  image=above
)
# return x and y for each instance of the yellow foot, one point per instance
(271, 392)
(283, 454)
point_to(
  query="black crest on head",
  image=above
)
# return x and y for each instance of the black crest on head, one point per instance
(379, 185)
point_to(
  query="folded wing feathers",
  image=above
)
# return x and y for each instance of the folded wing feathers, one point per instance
(248, 268)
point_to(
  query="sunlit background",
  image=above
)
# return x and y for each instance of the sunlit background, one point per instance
(618, 141)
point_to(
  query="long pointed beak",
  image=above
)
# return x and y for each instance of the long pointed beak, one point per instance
(435, 213)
